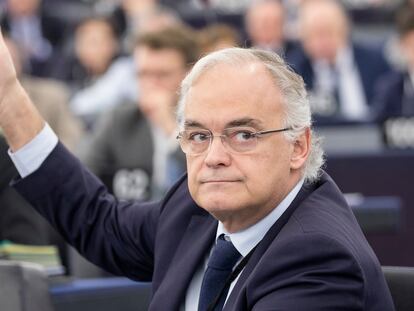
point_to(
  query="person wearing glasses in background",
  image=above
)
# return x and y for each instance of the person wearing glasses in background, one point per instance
(255, 224)
(145, 127)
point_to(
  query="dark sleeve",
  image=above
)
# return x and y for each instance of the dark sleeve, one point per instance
(115, 235)
(309, 272)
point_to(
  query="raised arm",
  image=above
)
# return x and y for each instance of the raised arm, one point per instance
(19, 119)
(118, 236)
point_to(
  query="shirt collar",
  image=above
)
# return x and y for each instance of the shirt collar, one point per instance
(244, 241)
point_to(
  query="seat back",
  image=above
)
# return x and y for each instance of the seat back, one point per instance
(23, 287)
(401, 284)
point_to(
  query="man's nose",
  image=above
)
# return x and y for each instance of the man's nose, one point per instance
(218, 154)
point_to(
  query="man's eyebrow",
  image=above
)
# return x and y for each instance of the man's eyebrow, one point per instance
(244, 122)
(234, 123)
(193, 123)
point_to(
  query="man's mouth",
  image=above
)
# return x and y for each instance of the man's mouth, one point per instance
(215, 181)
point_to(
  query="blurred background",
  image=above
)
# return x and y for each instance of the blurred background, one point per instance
(105, 75)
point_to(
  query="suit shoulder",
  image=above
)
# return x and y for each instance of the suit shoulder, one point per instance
(325, 214)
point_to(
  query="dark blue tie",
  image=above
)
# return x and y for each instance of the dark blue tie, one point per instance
(219, 267)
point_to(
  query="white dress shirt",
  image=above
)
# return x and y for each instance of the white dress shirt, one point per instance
(244, 241)
(31, 156)
(351, 91)
(345, 77)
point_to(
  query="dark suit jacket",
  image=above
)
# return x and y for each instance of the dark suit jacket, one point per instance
(370, 62)
(315, 257)
(392, 98)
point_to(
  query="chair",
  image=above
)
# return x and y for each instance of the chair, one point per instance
(401, 284)
(23, 287)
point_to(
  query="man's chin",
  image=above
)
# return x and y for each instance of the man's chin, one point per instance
(218, 203)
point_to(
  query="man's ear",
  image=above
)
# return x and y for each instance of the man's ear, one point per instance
(301, 149)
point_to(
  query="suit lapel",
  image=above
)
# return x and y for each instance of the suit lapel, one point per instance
(264, 245)
(196, 242)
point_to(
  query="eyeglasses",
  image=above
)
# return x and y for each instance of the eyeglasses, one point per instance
(238, 139)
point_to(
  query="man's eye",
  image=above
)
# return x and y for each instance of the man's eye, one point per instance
(243, 135)
(198, 137)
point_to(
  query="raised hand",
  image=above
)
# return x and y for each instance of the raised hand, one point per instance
(19, 119)
(7, 71)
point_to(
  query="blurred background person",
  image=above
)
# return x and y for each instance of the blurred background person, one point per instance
(95, 46)
(117, 84)
(38, 35)
(217, 36)
(340, 74)
(395, 95)
(130, 17)
(265, 27)
(133, 148)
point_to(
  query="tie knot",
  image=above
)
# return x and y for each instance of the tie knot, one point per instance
(224, 255)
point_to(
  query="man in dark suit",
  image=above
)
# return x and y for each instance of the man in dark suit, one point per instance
(254, 225)
(340, 75)
(147, 127)
(395, 95)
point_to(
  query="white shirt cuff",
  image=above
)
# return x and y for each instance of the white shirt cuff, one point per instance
(29, 157)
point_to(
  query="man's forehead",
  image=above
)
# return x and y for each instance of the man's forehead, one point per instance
(231, 81)
(230, 87)
(225, 93)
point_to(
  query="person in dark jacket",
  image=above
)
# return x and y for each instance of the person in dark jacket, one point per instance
(341, 75)
(254, 224)
(395, 95)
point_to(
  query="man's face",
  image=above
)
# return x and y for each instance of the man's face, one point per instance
(239, 189)
(264, 24)
(161, 69)
(324, 32)
(95, 45)
(159, 74)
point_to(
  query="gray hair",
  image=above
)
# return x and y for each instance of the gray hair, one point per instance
(297, 110)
